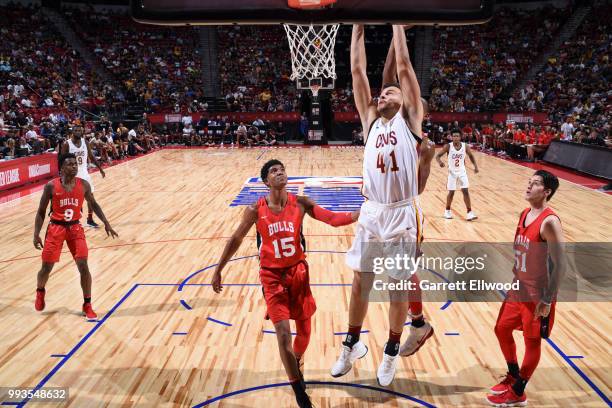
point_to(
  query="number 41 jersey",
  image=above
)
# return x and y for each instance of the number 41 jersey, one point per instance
(390, 162)
(280, 240)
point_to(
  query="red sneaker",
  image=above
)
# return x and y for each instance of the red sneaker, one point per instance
(39, 303)
(503, 385)
(88, 311)
(508, 399)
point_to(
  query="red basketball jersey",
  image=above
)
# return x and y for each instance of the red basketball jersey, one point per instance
(66, 206)
(279, 236)
(531, 255)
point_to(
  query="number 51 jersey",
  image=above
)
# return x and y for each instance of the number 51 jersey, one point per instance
(280, 240)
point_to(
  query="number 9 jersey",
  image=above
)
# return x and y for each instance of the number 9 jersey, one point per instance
(280, 240)
(66, 205)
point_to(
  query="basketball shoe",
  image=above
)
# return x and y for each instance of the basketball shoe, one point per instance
(89, 312)
(386, 369)
(417, 337)
(347, 357)
(39, 303)
(503, 386)
(508, 399)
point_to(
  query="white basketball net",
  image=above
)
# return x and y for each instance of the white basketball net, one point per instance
(312, 50)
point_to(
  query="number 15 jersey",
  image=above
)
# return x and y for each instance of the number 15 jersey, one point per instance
(390, 162)
(280, 240)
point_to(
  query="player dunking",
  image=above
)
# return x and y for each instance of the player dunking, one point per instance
(283, 268)
(66, 194)
(457, 150)
(538, 268)
(393, 177)
(78, 146)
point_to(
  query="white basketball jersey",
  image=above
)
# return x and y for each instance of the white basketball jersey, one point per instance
(456, 159)
(81, 155)
(390, 162)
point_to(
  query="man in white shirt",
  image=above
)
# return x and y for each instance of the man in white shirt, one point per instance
(567, 129)
(186, 120)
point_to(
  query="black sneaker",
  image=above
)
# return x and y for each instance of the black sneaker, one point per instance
(92, 223)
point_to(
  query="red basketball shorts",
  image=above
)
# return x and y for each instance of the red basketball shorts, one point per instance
(520, 316)
(287, 293)
(54, 241)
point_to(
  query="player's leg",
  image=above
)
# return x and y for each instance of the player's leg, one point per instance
(451, 186)
(301, 341)
(290, 362)
(468, 204)
(78, 247)
(398, 312)
(52, 249)
(352, 348)
(508, 320)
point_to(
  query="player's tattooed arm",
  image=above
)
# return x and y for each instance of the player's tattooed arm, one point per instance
(469, 153)
(411, 91)
(442, 153)
(94, 160)
(249, 218)
(552, 232)
(361, 85)
(428, 149)
(335, 219)
(93, 204)
(40, 214)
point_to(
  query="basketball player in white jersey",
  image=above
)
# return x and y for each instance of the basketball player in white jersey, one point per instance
(457, 174)
(393, 177)
(78, 146)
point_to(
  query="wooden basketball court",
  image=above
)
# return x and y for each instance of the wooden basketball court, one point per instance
(164, 339)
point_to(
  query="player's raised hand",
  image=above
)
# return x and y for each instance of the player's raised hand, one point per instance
(216, 282)
(38, 244)
(110, 232)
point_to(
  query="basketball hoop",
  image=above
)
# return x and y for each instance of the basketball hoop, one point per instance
(315, 90)
(312, 50)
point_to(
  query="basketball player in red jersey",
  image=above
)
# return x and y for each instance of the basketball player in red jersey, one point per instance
(284, 271)
(66, 194)
(538, 268)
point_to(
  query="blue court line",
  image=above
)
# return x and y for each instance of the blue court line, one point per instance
(447, 304)
(210, 319)
(179, 333)
(10, 403)
(580, 372)
(58, 355)
(451, 334)
(63, 361)
(345, 333)
(407, 323)
(575, 356)
(185, 305)
(330, 383)
(92, 320)
(180, 288)
(273, 332)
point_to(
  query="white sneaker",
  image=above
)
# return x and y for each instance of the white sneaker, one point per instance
(448, 214)
(417, 337)
(386, 369)
(471, 216)
(348, 356)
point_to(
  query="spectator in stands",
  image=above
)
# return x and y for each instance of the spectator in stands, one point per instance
(241, 133)
(567, 129)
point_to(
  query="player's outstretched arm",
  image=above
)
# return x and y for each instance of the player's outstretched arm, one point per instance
(40, 214)
(428, 149)
(361, 86)
(552, 232)
(442, 153)
(93, 204)
(469, 153)
(93, 159)
(249, 217)
(390, 71)
(411, 92)
(335, 219)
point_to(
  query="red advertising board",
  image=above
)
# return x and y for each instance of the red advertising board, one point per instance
(17, 172)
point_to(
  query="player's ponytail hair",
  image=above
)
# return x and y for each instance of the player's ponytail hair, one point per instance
(266, 168)
(551, 182)
(63, 157)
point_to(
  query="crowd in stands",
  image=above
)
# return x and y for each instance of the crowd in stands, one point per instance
(473, 64)
(575, 83)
